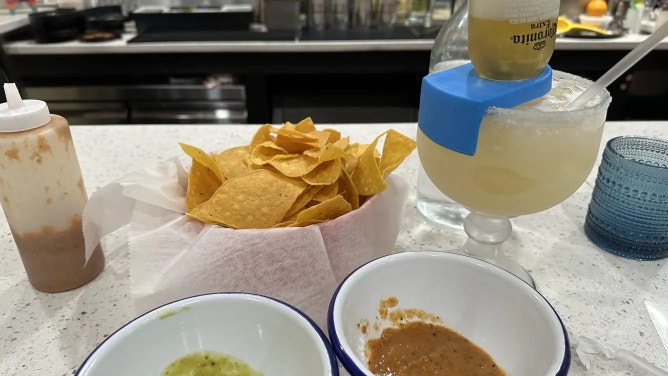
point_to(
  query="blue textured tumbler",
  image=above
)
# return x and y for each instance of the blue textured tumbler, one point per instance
(628, 212)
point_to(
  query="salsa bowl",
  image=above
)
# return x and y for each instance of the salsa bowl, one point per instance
(269, 336)
(498, 312)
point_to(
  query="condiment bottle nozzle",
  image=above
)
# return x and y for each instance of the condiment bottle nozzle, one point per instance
(20, 114)
(14, 100)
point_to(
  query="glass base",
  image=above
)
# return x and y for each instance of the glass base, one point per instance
(504, 263)
(486, 235)
(442, 213)
(435, 207)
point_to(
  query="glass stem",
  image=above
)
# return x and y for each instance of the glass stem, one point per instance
(486, 234)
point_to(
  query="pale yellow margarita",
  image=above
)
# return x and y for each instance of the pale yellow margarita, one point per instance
(528, 158)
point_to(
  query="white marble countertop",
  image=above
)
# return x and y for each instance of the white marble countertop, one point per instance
(9, 22)
(598, 295)
(29, 47)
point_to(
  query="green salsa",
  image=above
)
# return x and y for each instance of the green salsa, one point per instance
(173, 312)
(209, 363)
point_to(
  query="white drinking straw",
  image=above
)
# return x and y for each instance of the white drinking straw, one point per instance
(622, 66)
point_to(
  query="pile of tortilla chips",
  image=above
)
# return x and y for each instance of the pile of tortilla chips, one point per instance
(290, 176)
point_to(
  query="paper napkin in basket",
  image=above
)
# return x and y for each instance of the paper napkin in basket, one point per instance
(173, 256)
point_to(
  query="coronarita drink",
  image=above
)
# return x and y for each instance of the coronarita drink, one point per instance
(528, 158)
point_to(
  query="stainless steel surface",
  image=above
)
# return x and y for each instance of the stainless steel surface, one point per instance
(343, 114)
(362, 13)
(127, 6)
(139, 92)
(317, 14)
(281, 14)
(626, 42)
(387, 13)
(195, 112)
(206, 3)
(166, 104)
(81, 113)
(617, 9)
(341, 14)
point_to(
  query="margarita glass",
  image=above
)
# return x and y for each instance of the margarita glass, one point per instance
(528, 159)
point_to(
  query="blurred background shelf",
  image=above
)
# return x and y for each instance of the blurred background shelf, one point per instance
(353, 75)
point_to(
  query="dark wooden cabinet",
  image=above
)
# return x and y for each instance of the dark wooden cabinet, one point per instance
(360, 86)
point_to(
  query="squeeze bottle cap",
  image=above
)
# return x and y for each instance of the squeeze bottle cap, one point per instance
(21, 115)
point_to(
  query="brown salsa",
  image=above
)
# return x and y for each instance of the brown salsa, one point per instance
(418, 345)
(426, 349)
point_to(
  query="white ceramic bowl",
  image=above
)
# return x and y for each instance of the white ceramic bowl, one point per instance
(494, 309)
(603, 22)
(272, 337)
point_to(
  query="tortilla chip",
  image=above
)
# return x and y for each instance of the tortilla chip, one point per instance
(258, 199)
(283, 224)
(297, 142)
(330, 152)
(367, 176)
(350, 163)
(334, 135)
(326, 192)
(202, 158)
(233, 162)
(325, 173)
(326, 210)
(348, 191)
(293, 165)
(294, 175)
(264, 152)
(395, 149)
(303, 199)
(305, 126)
(342, 143)
(262, 135)
(202, 183)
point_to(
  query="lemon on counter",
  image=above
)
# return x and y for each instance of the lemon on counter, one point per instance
(596, 8)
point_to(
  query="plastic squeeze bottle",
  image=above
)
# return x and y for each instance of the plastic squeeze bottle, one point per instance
(511, 39)
(43, 195)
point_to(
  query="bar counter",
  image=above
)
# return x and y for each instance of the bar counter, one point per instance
(352, 71)
(29, 47)
(597, 295)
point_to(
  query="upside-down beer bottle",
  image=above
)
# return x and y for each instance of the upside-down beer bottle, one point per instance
(512, 39)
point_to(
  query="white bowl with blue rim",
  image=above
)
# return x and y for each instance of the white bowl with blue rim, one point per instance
(497, 311)
(270, 336)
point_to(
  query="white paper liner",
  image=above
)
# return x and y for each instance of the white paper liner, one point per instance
(173, 257)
